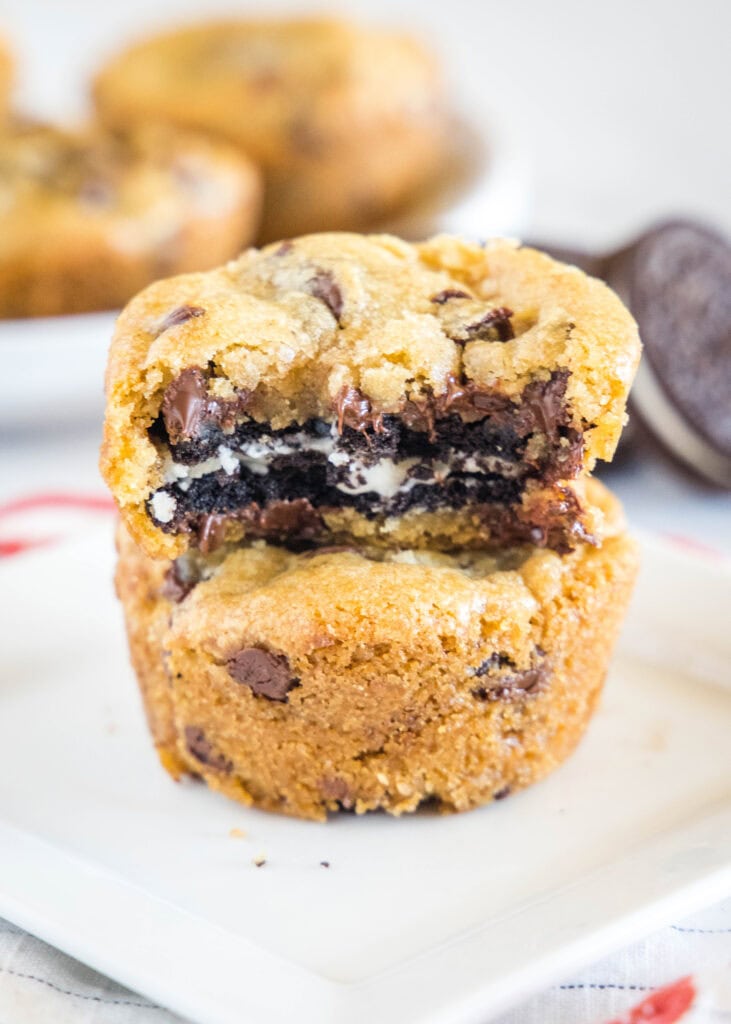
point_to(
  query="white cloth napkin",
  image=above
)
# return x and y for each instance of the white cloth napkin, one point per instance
(40, 985)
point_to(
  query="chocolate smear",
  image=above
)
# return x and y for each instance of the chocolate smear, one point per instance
(265, 673)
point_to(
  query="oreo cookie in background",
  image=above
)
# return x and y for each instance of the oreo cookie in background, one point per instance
(676, 280)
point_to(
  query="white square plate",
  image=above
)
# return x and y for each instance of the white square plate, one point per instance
(423, 919)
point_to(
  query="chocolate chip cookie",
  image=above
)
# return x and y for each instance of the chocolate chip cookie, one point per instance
(6, 77)
(346, 122)
(339, 387)
(361, 678)
(89, 218)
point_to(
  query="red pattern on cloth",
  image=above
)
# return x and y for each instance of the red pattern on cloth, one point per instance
(666, 1006)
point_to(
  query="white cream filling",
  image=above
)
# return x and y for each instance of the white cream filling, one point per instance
(386, 478)
(163, 506)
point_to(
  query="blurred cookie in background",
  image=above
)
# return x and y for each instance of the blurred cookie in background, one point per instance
(90, 217)
(7, 68)
(676, 280)
(345, 122)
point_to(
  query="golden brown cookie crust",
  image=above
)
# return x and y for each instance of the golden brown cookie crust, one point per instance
(345, 121)
(90, 218)
(376, 683)
(269, 331)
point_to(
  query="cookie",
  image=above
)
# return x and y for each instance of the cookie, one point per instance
(346, 122)
(91, 217)
(363, 678)
(676, 278)
(339, 387)
(7, 68)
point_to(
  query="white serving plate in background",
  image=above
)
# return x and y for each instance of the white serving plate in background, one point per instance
(53, 367)
(419, 920)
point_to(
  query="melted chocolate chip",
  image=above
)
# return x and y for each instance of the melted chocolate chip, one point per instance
(187, 405)
(324, 287)
(175, 586)
(285, 519)
(449, 293)
(211, 532)
(179, 316)
(354, 410)
(265, 673)
(202, 750)
(184, 404)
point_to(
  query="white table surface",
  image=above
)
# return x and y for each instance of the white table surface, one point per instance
(622, 109)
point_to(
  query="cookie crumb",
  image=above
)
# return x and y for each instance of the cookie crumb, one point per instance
(237, 833)
(324, 863)
(259, 861)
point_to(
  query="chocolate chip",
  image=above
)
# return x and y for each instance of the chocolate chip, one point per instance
(211, 532)
(285, 519)
(354, 410)
(179, 316)
(202, 750)
(495, 661)
(494, 322)
(324, 287)
(338, 790)
(175, 586)
(515, 682)
(265, 673)
(501, 793)
(284, 248)
(184, 404)
(324, 863)
(449, 293)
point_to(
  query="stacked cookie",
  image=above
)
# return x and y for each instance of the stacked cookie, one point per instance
(362, 562)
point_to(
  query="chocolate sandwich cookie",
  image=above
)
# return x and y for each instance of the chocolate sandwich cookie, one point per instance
(339, 387)
(89, 218)
(345, 121)
(676, 280)
(362, 679)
